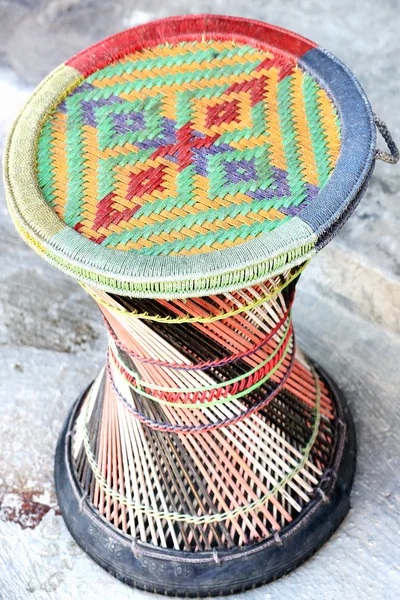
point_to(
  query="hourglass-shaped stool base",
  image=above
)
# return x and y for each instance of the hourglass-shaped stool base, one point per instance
(211, 573)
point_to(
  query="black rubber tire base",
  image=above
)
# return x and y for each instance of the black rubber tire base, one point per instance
(206, 574)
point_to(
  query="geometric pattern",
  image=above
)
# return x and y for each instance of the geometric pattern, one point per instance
(188, 148)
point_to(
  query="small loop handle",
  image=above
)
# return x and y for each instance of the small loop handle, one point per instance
(391, 157)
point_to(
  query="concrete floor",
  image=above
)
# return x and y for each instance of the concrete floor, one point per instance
(347, 317)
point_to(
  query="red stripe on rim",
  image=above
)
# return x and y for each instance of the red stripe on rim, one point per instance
(189, 28)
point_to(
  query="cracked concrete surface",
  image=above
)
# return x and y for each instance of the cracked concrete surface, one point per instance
(347, 317)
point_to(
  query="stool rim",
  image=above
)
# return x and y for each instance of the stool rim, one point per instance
(269, 254)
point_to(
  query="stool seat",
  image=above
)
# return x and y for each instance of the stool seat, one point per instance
(214, 154)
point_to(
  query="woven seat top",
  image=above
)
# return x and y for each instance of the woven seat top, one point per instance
(188, 156)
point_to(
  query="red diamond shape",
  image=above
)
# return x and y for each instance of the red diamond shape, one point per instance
(107, 214)
(146, 182)
(226, 112)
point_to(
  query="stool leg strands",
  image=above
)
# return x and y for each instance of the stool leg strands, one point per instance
(210, 455)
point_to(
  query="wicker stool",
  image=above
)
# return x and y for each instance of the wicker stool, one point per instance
(184, 172)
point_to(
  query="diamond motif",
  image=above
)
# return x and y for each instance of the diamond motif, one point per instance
(123, 123)
(225, 112)
(146, 182)
(241, 170)
(255, 162)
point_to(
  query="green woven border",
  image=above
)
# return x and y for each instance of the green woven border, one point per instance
(121, 272)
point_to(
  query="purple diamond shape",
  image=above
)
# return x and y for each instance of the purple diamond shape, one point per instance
(240, 170)
(125, 122)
